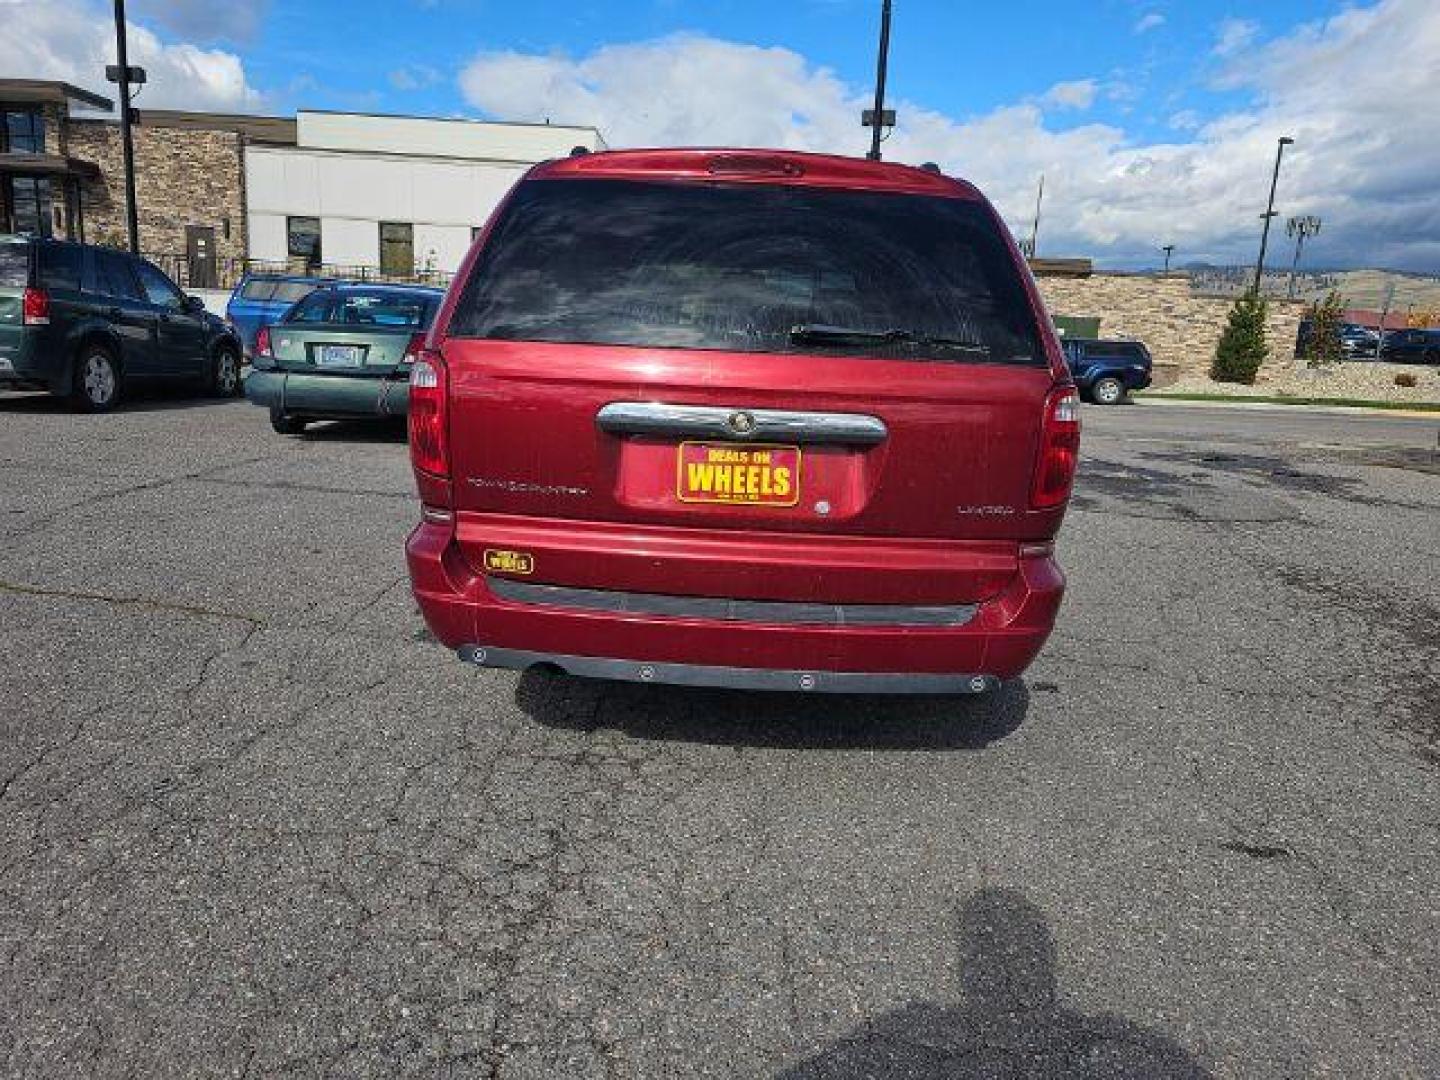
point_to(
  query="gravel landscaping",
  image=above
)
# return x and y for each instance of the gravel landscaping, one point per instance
(1369, 381)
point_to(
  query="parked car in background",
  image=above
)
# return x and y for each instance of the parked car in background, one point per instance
(1413, 346)
(1358, 342)
(1107, 370)
(343, 352)
(752, 419)
(263, 298)
(87, 322)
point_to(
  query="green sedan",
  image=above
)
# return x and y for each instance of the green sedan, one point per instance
(342, 353)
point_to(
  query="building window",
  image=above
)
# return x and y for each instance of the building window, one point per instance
(397, 249)
(302, 239)
(25, 205)
(22, 131)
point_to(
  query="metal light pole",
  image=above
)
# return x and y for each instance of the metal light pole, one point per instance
(123, 75)
(877, 119)
(1035, 225)
(1384, 318)
(1168, 249)
(1299, 228)
(1285, 141)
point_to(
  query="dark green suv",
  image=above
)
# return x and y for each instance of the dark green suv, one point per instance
(85, 322)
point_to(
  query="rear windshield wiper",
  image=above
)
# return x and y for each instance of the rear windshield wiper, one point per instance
(819, 334)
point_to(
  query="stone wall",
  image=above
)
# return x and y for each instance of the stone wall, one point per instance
(1180, 329)
(54, 116)
(182, 177)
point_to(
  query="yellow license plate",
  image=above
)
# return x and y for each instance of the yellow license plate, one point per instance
(738, 475)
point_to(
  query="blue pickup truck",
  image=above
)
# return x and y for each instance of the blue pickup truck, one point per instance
(260, 299)
(1105, 371)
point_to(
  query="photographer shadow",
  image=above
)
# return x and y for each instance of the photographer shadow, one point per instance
(1010, 1022)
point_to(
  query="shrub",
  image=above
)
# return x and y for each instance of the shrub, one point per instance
(1241, 349)
(1406, 378)
(1322, 347)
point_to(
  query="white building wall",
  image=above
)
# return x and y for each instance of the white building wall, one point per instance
(353, 191)
(426, 137)
(267, 237)
(448, 243)
(349, 241)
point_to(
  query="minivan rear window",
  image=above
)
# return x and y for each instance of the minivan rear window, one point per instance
(14, 264)
(750, 268)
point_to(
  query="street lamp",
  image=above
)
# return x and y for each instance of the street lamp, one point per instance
(1285, 141)
(1035, 225)
(1299, 227)
(123, 74)
(880, 117)
(1168, 249)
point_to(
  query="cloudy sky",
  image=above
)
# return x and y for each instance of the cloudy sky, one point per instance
(1153, 121)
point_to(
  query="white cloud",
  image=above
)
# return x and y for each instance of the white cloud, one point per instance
(1185, 120)
(1149, 22)
(205, 20)
(1366, 154)
(69, 41)
(1077, 94)
(414, 77)
(1233, 35)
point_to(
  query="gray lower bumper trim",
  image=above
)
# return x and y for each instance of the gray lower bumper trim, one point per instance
(733, 678)
(778, 612)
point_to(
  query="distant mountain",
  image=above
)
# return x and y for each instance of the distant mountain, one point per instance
(1357, 288)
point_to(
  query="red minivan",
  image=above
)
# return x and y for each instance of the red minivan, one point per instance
(736, 418)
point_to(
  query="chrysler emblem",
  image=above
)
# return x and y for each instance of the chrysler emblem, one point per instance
(741, 423)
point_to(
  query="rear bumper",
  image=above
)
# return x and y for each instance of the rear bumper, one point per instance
(26, 363)
(304, 394)
(733, 678)
(999, 641)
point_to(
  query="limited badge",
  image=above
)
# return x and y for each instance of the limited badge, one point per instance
(509, 562)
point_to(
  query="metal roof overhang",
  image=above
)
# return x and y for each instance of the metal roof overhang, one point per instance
(47, 165)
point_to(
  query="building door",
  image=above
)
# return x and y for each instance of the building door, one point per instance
(397, 249)
(200, 255)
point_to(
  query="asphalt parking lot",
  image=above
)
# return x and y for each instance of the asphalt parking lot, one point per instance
(254, 822)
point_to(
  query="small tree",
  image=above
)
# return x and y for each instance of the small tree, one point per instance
(1322, 347)
(1241, 349)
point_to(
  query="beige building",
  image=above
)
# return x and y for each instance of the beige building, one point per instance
(41, 175)
(343, 193)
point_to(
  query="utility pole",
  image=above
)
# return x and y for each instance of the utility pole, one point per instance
(1384, 317)
(1168, 249)
(877, 118)
(1035, 225)
(1285, 141)
(1299, 228)
(123, 74)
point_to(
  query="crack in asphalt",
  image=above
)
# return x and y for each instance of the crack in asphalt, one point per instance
(147, 602)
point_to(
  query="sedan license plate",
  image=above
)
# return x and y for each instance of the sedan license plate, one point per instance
(338, 355)
(738, 475)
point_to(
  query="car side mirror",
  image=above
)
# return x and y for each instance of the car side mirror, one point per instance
(193, 304)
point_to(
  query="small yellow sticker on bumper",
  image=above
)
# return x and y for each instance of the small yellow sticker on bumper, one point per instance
(509, 562)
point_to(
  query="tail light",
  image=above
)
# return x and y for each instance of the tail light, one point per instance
(262, 342)
(413, 348)
(1059, 449)
(35, 308)
(429, 439)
